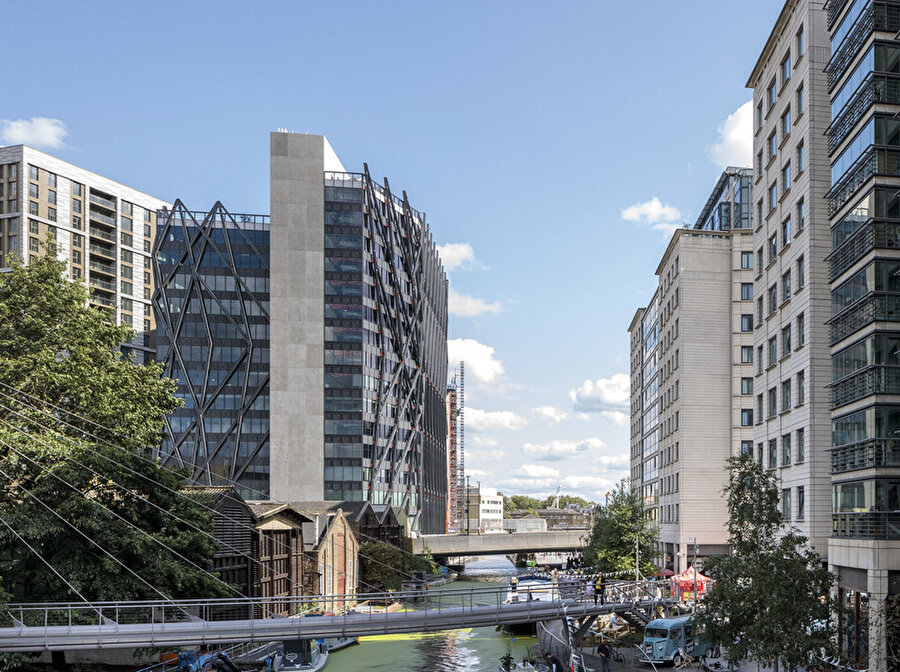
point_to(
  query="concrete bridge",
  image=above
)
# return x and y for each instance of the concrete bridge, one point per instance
(80, 626)
(448, 545)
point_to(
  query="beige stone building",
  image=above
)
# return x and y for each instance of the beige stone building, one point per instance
(692, 375)
(104, 231)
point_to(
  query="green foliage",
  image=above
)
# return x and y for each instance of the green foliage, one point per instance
(616, 526)
(520, 503)
(565, 500)
(66, 355)
(384, 566)
(771, 598)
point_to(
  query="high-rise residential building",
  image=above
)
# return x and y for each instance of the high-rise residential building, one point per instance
(692, 375)
(359, 337)
(212, 308)
(862, 147)
(792, 240)
(103, 230)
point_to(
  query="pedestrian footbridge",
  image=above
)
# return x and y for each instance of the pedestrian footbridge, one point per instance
(447, 545)
(60, 627)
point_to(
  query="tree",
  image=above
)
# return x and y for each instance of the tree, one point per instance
(565, 500)
(383, 566)
(79, 423)
(615, 529)
(520, 503)
(771, 598)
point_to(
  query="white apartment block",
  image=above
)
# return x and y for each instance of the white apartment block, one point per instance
(104, 231)
(692, 376)
(792, 239)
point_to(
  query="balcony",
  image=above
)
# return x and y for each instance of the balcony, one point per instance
(103, 235)
(866, 525)
(874, 307)
(875, 88)
(873, 234)
(103, 250)
(102, 301)
(834, 8)
(865, 455)
(109, 269)
(100, 217)
(102, 284)
(102, 201)
(877, 16)
(876, 160)
(864, 383)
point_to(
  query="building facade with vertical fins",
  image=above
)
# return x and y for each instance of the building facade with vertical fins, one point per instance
(863, 150)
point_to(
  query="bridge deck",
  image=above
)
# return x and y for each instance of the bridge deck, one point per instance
(486, 544)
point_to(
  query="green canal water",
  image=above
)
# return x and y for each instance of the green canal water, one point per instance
(466, 650)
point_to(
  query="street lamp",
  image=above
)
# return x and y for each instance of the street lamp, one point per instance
(693, 540)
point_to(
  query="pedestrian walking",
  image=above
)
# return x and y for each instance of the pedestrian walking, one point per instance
(553, 662)
(589, 591)
(604, 652)
(598, 588)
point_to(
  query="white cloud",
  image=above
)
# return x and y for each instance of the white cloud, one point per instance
(455, 256)
(604, 394)
(560, 449)
(480, 421)
(485, 441)
(661, 217)
(735, 145)
(597, 482)
(550, 413)
(618, 418)
(476, 472)
(38, 132)
(479, 358)
(536, 471)
(462, 305)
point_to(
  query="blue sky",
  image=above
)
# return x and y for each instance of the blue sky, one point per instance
(535, 135)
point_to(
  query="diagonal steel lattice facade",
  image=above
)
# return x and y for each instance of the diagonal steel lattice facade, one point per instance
(212, 308)
(385, 353)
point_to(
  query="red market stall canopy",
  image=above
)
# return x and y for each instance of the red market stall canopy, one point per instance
(686, 580)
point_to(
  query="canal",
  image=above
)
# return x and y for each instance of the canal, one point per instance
(466, 650)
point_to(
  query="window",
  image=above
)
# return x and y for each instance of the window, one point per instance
(146, 245)
(786, 124)
(51, 197)
(747, 260)
(746, 323)
(746, 385)
(126, 256)
(76, 205)
(126, 208)
(786, 341)
(77, 240)
(801, 272)
(773, 247)
(759, 215)
(801, 99)
(51, 214)
(32, 208)
(773, 350)
(147, 232)
(786, 503)
(77, 189)
(147, 293)
(801, 330)
(147, 282)
(34, 191)
(51, 179)
(801, 437)
(773, 453)
(801, 214)
(746, 291)
(32, 172)
(759, 406)
(773, 196)
(786, 286)
(773, 145)
(773, 401)
(801, 42)
(772, 93)
(127, 288)
(786, 177)
(759, 452)
(801, 156)
(759, 359)
(785, 450)
(127, 239)
(786, 68)
(801, 387)
(127, 272)
(76, 273)
(76, 222)
(786, 395)
(759, 164)
(786, 232)
(773, 299)
(746, 417)
(33, 244)
(746, 354)
(759, 310)
(76, 257)
(801, 501)
(33, 226)
(127, 305)
(747, 448)
(759, 115)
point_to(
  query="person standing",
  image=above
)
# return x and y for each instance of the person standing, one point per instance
(553, 662)
(598, 588)
(604, 652)
(589, 591)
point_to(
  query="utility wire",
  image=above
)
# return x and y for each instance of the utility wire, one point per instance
(121, 518)
(146, 459)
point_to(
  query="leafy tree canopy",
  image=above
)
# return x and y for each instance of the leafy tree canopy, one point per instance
(520, 503)
(78, 427)
(771, 598)
(615, 529)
